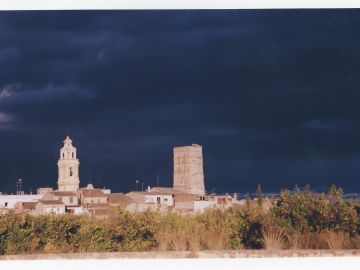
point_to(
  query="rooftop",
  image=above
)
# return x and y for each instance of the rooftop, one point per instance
(119, 198)
(92, 193)
(64, 193)
(51, 202)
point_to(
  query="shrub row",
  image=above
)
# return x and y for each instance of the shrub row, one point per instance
(300, 219)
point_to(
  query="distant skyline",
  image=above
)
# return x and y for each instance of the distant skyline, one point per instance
(271, 95)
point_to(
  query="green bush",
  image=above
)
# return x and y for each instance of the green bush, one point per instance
(299, 219)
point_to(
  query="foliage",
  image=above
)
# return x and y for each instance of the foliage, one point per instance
(298, 219)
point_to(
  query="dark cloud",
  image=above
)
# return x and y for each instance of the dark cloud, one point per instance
(271, 95)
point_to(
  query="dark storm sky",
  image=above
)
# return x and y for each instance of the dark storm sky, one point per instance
(273, 96)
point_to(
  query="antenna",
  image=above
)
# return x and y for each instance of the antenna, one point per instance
(157, 179)
(18, 187)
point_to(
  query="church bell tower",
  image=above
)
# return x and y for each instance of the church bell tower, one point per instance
(68, 167)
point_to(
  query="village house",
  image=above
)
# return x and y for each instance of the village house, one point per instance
(151, 201)
(26, 207)
(46, 207)
(90, 195)
(9, 201)
(120, 199)
(203, 202)
(69, 198)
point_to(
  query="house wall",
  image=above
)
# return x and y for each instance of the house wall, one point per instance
(68, 200)
(184, 205)
(89, 200)
(141, 207)
(65, 199)
(56, 209)
(9, 201)
(77, 210)
(41, 209)
(200, 206)
(164, 199)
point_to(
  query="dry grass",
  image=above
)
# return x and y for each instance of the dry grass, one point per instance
(273, 238)
(215, 237)
(180, 235)
(336, 240)
(326, 239)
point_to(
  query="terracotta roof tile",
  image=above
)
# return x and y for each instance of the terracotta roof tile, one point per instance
(51, 202)
(119, 198)
(93, 193)
(64, 193)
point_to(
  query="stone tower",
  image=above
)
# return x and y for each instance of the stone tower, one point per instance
(68, 167)
(188, 169)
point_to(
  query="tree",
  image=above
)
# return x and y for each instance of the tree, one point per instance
(259, 195)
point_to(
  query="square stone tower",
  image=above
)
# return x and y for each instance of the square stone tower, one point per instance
(188, 169)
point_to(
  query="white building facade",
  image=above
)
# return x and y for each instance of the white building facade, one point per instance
(54, 207)
(9, 201)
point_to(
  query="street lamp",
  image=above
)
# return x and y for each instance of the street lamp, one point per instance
(137, 182)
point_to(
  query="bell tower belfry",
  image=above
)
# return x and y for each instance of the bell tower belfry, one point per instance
(68, 167)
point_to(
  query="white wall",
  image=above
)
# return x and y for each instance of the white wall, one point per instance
(90, 200)
(77, 210)
(11, 200)
(42, 209)
(199, 206)
(164, 199)
(54, 209)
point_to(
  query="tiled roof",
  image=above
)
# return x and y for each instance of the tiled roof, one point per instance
(93, 193)
(51, 202)
(119, 198)
(166, 190)
(64, 193)
(95, 205)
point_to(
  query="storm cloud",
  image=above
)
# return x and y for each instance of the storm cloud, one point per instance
(272, 95)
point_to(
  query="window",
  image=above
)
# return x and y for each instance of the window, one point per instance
(6, 204)
(72, 154)
(71, 172)
(63, 155)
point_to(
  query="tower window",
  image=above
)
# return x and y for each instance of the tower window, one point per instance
(72, 154)
(71, 172)
(63, 155)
